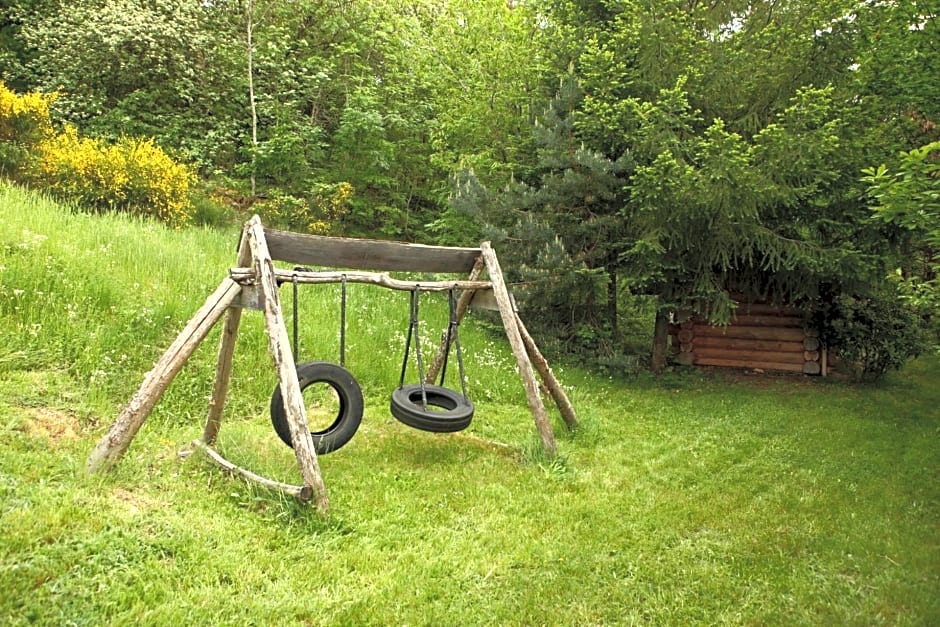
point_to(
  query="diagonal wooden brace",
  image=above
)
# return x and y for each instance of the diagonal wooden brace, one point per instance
(509, 319)
(113, 445)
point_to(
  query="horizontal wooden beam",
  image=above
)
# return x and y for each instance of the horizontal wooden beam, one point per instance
(757, 309)
(710, 352)
(366, 254)
(766, 320)
(751, 333)
(747, 344)
(741, 363)
(246, 276)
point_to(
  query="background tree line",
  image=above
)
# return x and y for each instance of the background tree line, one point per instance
(625, 155)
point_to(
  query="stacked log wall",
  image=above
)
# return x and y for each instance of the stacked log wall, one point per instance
(759, 336)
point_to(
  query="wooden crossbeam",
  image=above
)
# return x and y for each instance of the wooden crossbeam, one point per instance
(368, 254)
(248, 276)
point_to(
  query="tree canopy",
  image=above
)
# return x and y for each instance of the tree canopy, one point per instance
(676, 150)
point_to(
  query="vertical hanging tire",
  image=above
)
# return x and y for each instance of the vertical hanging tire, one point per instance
(447, 410)
(348, 417)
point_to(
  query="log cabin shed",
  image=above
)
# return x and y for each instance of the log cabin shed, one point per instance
(759, 336)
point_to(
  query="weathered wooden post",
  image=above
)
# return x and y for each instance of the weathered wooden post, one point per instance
(508, 315)
(279, 345)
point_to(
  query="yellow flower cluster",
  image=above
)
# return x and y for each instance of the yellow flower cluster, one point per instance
(24, 118)
(331, 204)
(321, 214)
(133, 175)
(333, 200)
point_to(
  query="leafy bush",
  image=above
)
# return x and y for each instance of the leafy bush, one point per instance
(907, 194)
(133, 175)
(24, 122)
(873, 334)
(323, 214)
(209, 210)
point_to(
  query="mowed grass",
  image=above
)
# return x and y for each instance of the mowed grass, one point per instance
(695, 498)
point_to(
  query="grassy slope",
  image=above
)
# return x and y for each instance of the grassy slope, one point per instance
(692, 499)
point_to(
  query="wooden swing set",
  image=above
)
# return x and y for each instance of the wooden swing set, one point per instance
(253, 285)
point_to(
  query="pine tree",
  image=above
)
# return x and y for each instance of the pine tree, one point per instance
(561, 231)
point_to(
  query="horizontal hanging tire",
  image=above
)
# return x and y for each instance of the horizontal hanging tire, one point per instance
(348, 418)
(447, 410)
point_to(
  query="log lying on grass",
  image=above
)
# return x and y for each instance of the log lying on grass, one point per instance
(304, 493)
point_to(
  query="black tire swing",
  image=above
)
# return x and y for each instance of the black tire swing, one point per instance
(428, 407)
(349, 416)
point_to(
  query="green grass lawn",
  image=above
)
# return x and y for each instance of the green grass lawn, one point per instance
(696, 498)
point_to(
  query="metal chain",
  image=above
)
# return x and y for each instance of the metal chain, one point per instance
(456, 324)
(449, 336)
(342, 324)
(296, 343)
(416, 298)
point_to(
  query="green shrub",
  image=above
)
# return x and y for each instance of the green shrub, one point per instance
(133, 175)
(283, 211)
(873, 334)
(323, 214)
(207, 210)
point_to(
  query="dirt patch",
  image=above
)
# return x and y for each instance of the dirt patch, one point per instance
(135, 502)
(52, 424)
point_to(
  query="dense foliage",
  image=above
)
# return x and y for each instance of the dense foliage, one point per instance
(379, 101)
(694, 148)
(623, 154)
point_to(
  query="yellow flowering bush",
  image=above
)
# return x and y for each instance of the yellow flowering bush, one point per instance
(332, 204)
(24, 122)
(133, 175)
(323, 214)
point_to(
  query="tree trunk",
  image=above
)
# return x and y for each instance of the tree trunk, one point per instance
(612, 309)
(660, 341)
(251, 92)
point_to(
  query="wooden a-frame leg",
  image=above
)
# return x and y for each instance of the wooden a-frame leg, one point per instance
(279, 345)
(223, 374)
(113, 445)
(548, 377)
(508, 316)
(223, 369)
